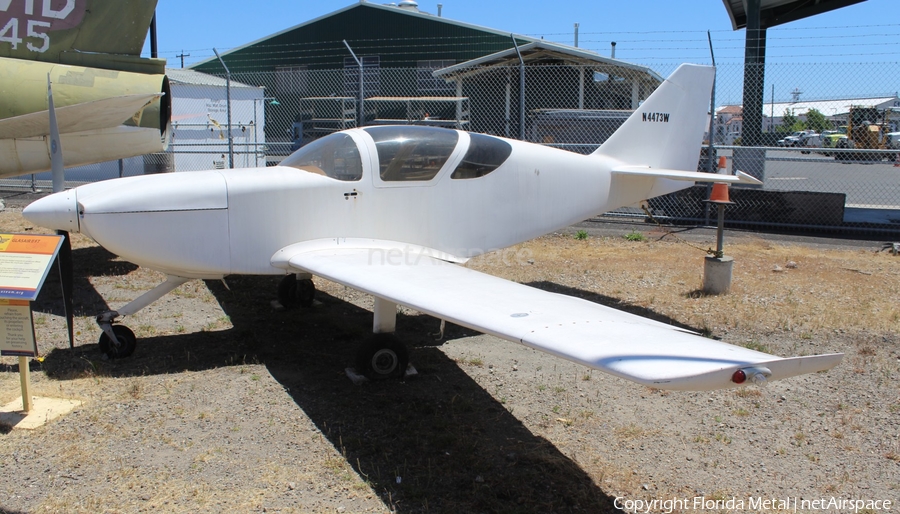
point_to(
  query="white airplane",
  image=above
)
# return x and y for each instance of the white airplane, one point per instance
(394, 211)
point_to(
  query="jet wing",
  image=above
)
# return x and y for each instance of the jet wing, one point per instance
(625, 345)
(95, 115)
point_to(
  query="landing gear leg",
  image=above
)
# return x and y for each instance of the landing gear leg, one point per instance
(119, 341)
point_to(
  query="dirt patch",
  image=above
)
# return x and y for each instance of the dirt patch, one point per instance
(230, 405)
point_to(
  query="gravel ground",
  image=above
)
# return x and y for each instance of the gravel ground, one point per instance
(231, 405)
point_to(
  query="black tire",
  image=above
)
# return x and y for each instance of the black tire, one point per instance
(381, 357)
(126, 346)
(293, 292)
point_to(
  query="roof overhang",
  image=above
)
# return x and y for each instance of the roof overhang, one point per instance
(538, 51)
(777, 12)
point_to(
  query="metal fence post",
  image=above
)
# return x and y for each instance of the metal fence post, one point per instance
(360, 109)
(228, 108)
(521, 89)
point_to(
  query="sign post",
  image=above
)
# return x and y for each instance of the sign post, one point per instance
(25, 380)
(25, 261)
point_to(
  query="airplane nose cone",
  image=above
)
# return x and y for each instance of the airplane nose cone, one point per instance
(58, 211)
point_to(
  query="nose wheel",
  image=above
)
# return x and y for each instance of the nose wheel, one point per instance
(123, 345)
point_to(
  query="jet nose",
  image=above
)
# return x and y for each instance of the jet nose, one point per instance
(58, 211)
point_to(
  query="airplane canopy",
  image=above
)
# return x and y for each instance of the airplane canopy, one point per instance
(405, 153)
(335, 155)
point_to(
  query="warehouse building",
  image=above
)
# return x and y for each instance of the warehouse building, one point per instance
(418, 67)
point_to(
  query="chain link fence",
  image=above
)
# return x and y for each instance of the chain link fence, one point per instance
(828, 161)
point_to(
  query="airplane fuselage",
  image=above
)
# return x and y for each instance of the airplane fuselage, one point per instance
(381, 209)
(215, 223)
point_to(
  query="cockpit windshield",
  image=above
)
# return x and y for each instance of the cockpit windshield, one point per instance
(485, 154)
(407, 153)
(334, 155)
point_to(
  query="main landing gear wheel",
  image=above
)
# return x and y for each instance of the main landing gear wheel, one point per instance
(125, 346)
(292, 292)
(381, 357)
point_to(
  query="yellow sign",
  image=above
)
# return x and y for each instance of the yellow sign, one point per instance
(24, 263)
(16, 329)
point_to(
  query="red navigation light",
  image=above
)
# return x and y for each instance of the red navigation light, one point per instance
(739, 377)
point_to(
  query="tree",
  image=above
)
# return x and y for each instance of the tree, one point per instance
(817, 121)
(788, 121)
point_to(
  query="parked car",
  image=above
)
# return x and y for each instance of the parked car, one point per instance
(801, 138)
(809, 140)
(790, 140)
(834, 139)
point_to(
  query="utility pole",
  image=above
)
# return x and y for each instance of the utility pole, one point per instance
(183, 55)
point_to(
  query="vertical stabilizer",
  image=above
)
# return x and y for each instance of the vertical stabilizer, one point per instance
(666, 131)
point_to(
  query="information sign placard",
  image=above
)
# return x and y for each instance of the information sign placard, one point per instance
(24, 263)
(16, 329)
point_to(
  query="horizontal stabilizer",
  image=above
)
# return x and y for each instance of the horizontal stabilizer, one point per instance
(95, 115)
(690, 176)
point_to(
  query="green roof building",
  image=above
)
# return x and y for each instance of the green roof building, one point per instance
(422, 68)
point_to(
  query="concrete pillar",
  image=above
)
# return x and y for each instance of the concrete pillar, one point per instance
(717, 273)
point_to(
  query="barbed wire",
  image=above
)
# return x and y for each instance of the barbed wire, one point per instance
(730, 31)
(642, 51)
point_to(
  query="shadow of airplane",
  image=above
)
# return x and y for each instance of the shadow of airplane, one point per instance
(92, 261)
(454, 447)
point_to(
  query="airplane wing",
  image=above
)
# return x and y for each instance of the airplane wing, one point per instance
(692, 176)
(95, 115)
(625, 345)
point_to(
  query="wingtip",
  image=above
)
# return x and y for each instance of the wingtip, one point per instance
(744, 178)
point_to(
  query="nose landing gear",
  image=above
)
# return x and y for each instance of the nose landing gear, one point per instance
(118, 341)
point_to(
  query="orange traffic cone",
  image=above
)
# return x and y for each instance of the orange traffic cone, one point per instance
(719, 193)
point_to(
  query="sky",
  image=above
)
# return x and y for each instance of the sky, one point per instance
(656, 33)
